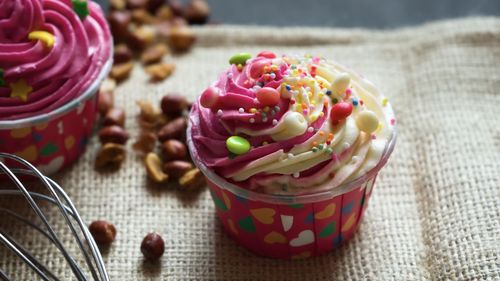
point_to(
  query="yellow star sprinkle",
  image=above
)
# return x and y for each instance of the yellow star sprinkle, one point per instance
(46, 37)
(20, 89)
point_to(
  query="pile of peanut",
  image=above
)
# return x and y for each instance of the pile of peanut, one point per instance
(112, 134)
(161, 130)
(149, 30)
(165, 131)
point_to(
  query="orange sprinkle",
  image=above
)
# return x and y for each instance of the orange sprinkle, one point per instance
(330, 137)
(321, 133)
(304, 105)
(315, 143)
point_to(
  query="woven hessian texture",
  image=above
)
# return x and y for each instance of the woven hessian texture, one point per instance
(434, 214)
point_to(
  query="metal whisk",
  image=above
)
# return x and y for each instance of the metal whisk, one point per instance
(92, 266)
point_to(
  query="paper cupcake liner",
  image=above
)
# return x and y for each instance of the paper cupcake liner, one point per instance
(291, 231)
(56, 139)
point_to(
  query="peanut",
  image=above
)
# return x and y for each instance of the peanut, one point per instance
(181, 38)
(105, 102)
(145, 143)
(176, 169)
(121, 71)
(192, 179)
(122, 54)
(113, 134)
(173, 150)
(174, 129)
(114, 116)
(110, 155)
(160, 71)
(154, 54)
(173, 105)
(103, 232)
(154, 168)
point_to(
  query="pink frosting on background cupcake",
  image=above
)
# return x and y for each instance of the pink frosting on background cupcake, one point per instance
(56, 74)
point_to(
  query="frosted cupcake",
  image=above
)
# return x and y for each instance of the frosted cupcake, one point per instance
(291, 147)
(53, 55)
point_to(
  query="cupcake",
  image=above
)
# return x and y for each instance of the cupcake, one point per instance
(53, 56)
(290, 147)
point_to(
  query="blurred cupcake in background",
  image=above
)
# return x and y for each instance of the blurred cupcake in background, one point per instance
(53, 56)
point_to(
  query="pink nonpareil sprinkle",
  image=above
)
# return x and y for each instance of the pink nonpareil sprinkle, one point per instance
(393, 121)
(335, 157)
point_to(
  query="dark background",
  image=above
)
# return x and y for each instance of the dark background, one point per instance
(346, 13)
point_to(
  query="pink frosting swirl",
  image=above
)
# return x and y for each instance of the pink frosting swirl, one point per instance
(237, 90)
(290, 125)
(58, 74)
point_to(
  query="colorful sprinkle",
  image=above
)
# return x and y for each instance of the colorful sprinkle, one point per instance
(2, 81)
(237, 145)
(340, 111)
(209, 97)
(80, 8)
(241, 110)
(267, 54)
(367, 121)
(240, 59)
(45, 37)
(384, 101)
(20, 89)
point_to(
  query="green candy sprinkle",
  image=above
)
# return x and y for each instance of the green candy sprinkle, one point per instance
(237, 145)
(80, 8)
(2, 82)
(240, 58)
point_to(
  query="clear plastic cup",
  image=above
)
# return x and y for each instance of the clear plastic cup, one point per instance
(54, 140)
(290, 226)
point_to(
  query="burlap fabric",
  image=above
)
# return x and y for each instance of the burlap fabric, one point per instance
(434, 214)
